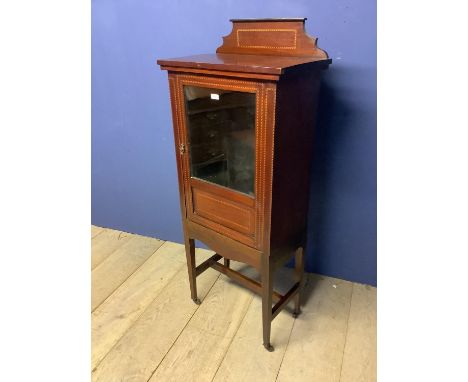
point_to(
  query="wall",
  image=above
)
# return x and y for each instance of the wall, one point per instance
(134, 183)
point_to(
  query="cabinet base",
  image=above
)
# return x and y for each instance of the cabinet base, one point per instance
(268, 295)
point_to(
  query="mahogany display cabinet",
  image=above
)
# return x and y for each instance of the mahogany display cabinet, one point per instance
(243, 127)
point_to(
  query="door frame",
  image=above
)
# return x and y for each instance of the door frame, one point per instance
(264, 138)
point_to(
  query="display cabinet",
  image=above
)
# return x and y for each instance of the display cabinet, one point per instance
(243, 128)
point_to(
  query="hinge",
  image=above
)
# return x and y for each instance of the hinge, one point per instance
(182, 149)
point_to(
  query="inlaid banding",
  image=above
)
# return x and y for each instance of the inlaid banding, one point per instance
(272, 39)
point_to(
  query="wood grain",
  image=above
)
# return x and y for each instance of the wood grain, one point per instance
(315, 349)
(224, 211)
(271, 37)
(111, 319)
(227, 247)
(95, 230)
(138, 353)
(240, 234)
(246, 359)
(117, 267)
(298, 97)
(150, 328)
(360, 354)
(106, 242)
(279, 64)
(202, 345)
(224, 64)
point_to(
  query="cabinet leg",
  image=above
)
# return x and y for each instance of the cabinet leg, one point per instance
(299, 277)
(267, 291)
(227, 262)
(190, 255)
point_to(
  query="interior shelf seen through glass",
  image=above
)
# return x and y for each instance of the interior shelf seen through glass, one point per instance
(221, 134)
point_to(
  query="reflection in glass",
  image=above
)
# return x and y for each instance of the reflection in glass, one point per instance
(221, 133)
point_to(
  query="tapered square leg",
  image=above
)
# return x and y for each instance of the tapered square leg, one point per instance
(190, 255)
(267, 292)
(299, 277)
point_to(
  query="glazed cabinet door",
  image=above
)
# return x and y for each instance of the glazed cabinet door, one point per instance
(221, 137)
(222, 140)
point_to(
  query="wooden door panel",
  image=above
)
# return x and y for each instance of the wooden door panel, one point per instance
(234, 214)
(224, 211)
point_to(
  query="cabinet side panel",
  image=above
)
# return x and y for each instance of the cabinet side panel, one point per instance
(297, 97)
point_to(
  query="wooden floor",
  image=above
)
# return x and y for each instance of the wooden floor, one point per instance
(145, 327)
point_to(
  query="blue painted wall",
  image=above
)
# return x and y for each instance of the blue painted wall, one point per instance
(134, 183)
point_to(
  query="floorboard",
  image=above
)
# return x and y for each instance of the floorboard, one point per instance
(315, 349)
(256, 364)
(142, 348)
(111, 319)
(119, 265)
(95, 230)
(106, 242)
(146, 327)
(359, 360)
(198, 351)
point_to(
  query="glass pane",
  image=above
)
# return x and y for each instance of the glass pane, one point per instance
(221, 133)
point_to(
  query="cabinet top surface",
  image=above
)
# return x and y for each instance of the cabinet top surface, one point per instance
(242, 62)
(269, 19)
(267, 46)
